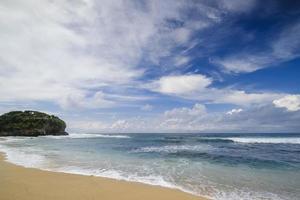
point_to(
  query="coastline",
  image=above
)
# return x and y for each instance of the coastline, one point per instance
(22, 183)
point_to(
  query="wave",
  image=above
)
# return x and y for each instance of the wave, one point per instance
(30, 158)
(171, 149)
(266, 140)
(26, 158)
(13, 138)
(87, 135)
(215, 140)
(118, 175)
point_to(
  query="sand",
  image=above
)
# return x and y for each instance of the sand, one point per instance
(20, 183)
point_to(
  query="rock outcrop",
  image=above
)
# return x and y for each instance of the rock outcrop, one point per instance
(31, 123)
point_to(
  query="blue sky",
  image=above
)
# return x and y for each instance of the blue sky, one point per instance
(154, 66)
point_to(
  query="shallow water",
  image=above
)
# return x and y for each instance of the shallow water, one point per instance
(220, 166)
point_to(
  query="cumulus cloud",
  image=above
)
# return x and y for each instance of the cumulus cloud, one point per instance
(175, 119)
(196, 87)
(265, 118)
(180, 84)
(290, 102)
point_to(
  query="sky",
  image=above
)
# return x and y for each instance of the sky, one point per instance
(154, 66)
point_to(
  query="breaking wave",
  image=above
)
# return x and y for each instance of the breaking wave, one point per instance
(266, 140)
(86, 135)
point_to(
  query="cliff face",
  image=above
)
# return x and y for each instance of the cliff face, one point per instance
(31, 123)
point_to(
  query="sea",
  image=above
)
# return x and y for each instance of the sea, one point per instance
(218, 166)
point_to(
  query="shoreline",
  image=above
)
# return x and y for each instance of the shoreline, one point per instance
(18, 182)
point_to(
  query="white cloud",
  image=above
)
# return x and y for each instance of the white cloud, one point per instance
(181, 60)
(197, 110)
(242, 63)
(234, 111)
(67, 52)
(290, 102)
(57, 51)
(85, 126)
(240, 97)
(183, 118)
(43, 53)
(265, 118)
(87, 53)
(196, 87)
(80, 100)
(285, 47)
(180, 84)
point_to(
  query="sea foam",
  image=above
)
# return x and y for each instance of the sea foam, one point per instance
(87, 135)
(171, 148)
(274, 140)
(24, 158)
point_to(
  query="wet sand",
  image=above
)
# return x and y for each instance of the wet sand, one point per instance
(20, 183)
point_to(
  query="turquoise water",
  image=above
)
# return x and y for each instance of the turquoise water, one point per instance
(220, 166)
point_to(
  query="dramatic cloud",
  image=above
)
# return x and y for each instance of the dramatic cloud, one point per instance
(290, 102)
(140, 63)
(61, 51)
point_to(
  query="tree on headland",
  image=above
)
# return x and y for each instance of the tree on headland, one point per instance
(30, 123)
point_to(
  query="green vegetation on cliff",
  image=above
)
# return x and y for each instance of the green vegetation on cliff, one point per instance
(30, 123)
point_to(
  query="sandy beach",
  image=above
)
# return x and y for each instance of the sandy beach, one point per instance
(19, 183)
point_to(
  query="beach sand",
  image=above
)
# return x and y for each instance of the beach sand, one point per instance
(19, 183)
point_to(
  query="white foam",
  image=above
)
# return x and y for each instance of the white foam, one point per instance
(87, 135)
(13, 139)
(171, 148)
(118, 175)
(271, 140)
(233, 194)
(23, 157)
(32, 158)
(238, 194)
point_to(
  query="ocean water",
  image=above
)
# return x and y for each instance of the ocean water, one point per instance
(219, 166)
